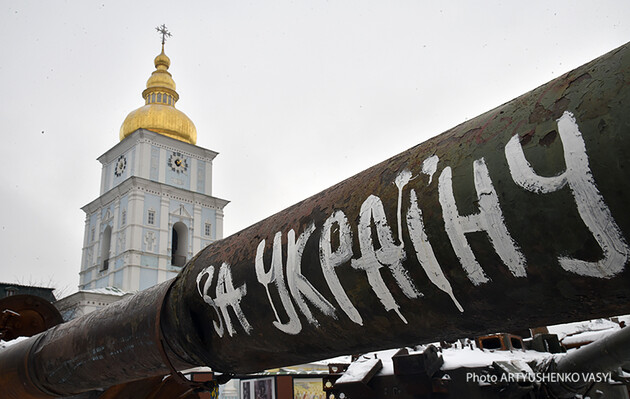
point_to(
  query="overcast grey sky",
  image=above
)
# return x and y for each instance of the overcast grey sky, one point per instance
(294, 95)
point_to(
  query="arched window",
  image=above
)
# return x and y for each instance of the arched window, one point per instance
(179, 244)
(105, 246)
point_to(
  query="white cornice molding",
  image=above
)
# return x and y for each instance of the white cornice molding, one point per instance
(135, 183)
(147, 136)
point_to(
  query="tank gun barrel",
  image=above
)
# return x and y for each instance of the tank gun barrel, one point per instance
(119, 343)
(607, 354)
(515, 218)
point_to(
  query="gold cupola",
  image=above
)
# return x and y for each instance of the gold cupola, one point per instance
(159, 113)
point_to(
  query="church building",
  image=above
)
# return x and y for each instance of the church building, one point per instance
(156, 208)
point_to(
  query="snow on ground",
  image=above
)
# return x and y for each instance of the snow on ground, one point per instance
(588, 336)
(564, 330)
(359, 369)
(455, 358)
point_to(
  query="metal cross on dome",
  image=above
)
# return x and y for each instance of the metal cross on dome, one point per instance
(164, 32)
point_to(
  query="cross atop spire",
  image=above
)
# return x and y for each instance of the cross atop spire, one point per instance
(164, 32)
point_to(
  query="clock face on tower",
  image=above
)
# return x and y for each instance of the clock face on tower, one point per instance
(121, 164)
(177, 162)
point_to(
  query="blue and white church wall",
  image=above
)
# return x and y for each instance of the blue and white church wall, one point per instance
(158, 158)
(153, 189)
(140, 217)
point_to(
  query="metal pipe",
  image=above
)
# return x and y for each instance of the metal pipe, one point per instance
(606, 354)
(117, 344)
(513, 219)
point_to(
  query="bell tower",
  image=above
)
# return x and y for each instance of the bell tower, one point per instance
(155, 209)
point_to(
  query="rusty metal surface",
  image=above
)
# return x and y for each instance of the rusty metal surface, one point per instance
(25, 316)
(114, 345)
(523, 221)
(15, 380)
(516, 218)
(150, 388)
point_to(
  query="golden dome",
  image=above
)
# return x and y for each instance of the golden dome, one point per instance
(159, 113)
